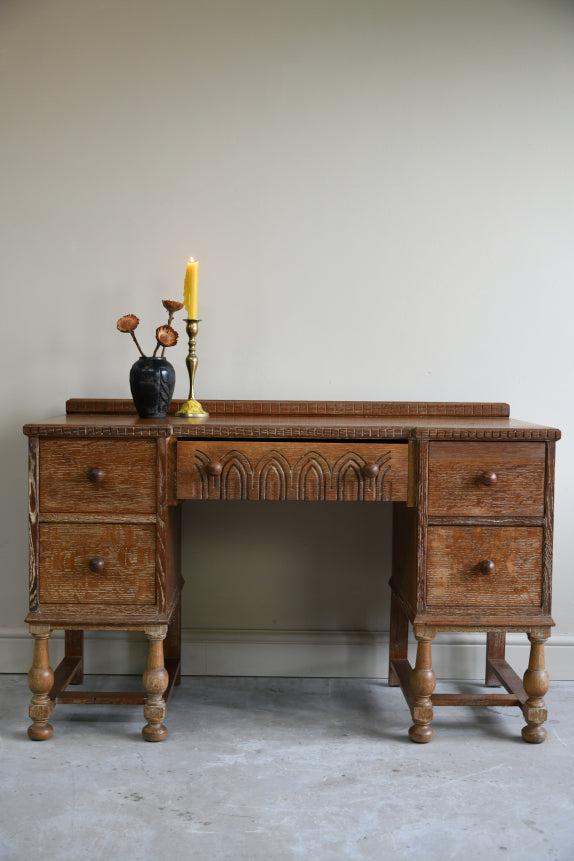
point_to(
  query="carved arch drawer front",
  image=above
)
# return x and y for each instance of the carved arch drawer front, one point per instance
(330, 471)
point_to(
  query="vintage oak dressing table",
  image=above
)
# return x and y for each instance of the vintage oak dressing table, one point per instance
(472, 491)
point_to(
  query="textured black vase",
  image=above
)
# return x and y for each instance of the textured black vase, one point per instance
(152, 381)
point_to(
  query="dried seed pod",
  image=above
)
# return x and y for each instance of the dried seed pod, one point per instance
(166, 336)
(128, 323)
(171, 305)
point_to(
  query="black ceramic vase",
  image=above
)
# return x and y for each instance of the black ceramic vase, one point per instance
(152, 381)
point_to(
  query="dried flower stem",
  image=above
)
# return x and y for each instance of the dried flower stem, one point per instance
(169, 319)
(137, 345)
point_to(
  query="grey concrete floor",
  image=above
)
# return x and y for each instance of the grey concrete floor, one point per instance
(278, 769)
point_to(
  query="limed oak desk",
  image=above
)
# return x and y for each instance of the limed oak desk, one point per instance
(472, 491)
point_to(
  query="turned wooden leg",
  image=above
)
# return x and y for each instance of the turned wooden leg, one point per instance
(423, 681)
(40, 681)
(495, 649)
(155, 681)
(535, 683)
(74, 645)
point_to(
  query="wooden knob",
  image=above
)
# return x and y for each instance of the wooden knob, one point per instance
(486, 567)
(370, 470)
(488, 478)
(96, 474)
(97, 564)
(213, 468)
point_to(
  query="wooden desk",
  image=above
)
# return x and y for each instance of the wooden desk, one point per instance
(472, 491)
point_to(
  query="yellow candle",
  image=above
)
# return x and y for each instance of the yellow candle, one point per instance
(190, 289)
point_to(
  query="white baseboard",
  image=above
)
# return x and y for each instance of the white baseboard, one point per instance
(311, 654)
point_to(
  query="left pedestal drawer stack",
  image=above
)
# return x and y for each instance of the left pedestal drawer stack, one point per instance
(104, 553)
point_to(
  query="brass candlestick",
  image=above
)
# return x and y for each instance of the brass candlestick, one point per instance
(192, 409)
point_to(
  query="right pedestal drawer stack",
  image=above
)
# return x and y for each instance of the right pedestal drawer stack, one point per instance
(473, 552)
(486, 529)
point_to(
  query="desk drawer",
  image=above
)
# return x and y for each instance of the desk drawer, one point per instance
(291, 470)
(97, 563)
(486, 478)
(97, 476)
(488, 567)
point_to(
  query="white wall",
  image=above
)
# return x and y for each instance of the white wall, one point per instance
(380, 194)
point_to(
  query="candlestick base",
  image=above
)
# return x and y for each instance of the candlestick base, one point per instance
(192, 409)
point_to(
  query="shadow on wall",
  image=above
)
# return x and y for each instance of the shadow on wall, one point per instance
(286, 566)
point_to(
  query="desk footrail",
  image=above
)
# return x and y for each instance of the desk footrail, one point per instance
(472, 493)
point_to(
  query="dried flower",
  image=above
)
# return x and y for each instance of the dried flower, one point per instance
(171, 305)
(128, 323)
(166, 336)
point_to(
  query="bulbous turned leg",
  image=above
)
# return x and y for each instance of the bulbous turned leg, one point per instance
(40, 681)
(155, 681)
(536, 685)
(423, 681)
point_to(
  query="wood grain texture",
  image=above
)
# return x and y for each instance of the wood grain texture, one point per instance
(105, 552)
(495, 650)
(548, 528)
(398, 638)
(162, 539)
(423, 681)
(66, 671)
(484, 700)
(304, 408)
(422, 523)
(291, 471)
(402, 671)
(103, 517)
(535, 681)
(500, 668)
(155, 682)
(404, 557)
(457, 472)
(40, 682)
(33, 525)
(485, 619)
(128, 486)
(97, 617)
(129, 555)
(454, 579)
(74, 646)
(298, 420)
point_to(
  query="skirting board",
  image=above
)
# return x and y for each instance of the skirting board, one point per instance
(311, 654)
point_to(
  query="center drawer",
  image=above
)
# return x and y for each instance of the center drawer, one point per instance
(365, 472)
(97, 563)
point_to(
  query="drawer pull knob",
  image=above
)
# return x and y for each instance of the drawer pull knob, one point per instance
(96, 474)
(486, 567)
(214, 468)
(488, 478)
(97, 564)
(370, 470)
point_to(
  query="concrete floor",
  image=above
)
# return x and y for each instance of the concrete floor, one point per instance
(278, 769)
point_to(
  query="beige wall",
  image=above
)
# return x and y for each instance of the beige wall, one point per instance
(380, 194)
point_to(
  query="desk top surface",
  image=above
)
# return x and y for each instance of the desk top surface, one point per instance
(298, 420)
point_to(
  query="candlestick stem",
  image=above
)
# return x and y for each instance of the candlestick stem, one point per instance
(191, 408)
